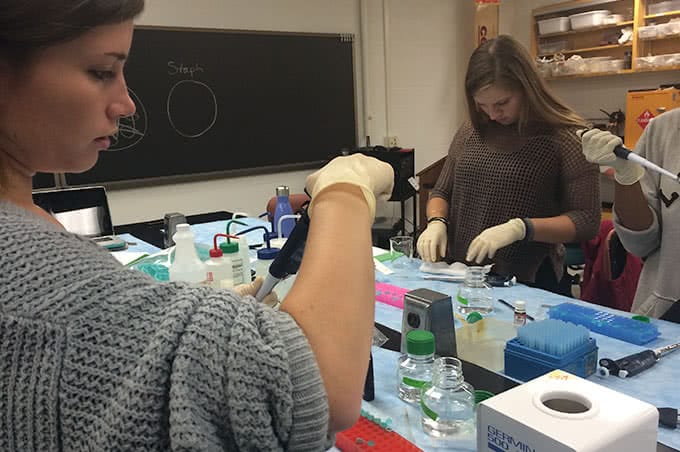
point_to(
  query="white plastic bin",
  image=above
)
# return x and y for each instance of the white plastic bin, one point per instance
(588, 19)
(648, 32)
(554, 25)
(550, 47)
(660, 8)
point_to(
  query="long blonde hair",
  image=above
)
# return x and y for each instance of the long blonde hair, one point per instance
(504, 61)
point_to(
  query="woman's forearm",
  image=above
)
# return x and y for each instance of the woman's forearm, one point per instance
(437, 207)
(333, 297)
(631, 207)
(559, 229)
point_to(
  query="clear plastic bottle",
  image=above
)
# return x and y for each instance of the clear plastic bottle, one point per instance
(475, 294)
(416, 370)
(447, 404)
(283, 207)
(186, 265)
(244, 254)
(219, 273)
(230, 250)
(265, 257)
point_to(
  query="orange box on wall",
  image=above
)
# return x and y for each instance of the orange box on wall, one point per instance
(641, 106)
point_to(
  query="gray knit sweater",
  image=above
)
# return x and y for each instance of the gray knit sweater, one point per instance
(98, 357)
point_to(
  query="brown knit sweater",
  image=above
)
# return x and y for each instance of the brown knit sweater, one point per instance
(491, 178)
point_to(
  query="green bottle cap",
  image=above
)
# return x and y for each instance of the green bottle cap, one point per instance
(473, 317)
(229, 247)
(420, 342)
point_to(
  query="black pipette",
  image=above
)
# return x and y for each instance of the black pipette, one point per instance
(631, 365)
(287, 262)
(626, 154)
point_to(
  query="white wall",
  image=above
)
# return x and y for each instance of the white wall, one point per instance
(418, 98)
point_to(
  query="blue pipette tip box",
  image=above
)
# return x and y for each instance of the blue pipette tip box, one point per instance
(525, 363)
(606, 323)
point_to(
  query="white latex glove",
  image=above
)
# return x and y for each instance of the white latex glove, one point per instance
(494, 238)
(251, 290)
(374, 177)
(432, 242)
(598, 147)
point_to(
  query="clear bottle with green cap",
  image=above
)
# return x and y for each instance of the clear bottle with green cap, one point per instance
(447, 404)
(230, 250)
(475, 294)
(416, 370)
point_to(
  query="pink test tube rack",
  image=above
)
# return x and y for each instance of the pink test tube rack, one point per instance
(389, 294)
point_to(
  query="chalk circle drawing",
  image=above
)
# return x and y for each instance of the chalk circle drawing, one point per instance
(191, 108)
(131, 129)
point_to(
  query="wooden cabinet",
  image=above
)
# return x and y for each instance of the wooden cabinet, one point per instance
(598, 45)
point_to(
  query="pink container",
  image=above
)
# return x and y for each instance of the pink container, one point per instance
(389, 294)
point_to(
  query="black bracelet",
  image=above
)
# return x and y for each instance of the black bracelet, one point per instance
(442, 219)
(529, 229)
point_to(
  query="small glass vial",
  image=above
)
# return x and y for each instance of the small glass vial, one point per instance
(447, 405)
(416, 370)
(520, 318)
(475, 294)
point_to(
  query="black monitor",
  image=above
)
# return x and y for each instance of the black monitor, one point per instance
(83, 211)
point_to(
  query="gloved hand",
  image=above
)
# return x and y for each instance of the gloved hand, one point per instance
(251, 290)
(432, 242)
(494, 238)
(373, 177)
(598, 147)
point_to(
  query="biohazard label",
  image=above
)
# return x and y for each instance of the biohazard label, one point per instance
(644, 118)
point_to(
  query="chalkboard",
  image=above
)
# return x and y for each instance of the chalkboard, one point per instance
(43, 180)
(218, 101)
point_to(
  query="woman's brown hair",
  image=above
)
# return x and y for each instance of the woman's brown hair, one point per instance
(27, 26)
(504, 62)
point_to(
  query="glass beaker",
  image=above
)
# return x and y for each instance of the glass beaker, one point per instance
(475, 294)
(447, 405)
(401, 251)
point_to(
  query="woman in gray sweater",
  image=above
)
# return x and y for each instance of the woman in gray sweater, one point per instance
(97, 357)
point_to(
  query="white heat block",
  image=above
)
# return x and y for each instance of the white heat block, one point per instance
(561, 412)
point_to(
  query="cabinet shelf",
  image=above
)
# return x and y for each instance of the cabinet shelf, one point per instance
(588, 49)
(586, 30)
(585, 42)
(589, 74)
(604, 74)
(660, 38)
(662, 15)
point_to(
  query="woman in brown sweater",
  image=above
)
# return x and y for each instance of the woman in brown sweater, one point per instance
(515, 185)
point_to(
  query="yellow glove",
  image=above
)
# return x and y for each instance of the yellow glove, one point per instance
(373, 177)
(246, 290)
(432, 242)
(598, 147)
(492, 239)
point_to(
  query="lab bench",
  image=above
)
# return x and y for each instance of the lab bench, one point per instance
(655, 386)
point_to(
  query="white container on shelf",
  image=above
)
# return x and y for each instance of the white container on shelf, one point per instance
(588, 19)
(612, 19)
(671, 28)
(648, 32)
(611, 65)
(647, 62)
(550, 47)
(554, 25)
(660, 8)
